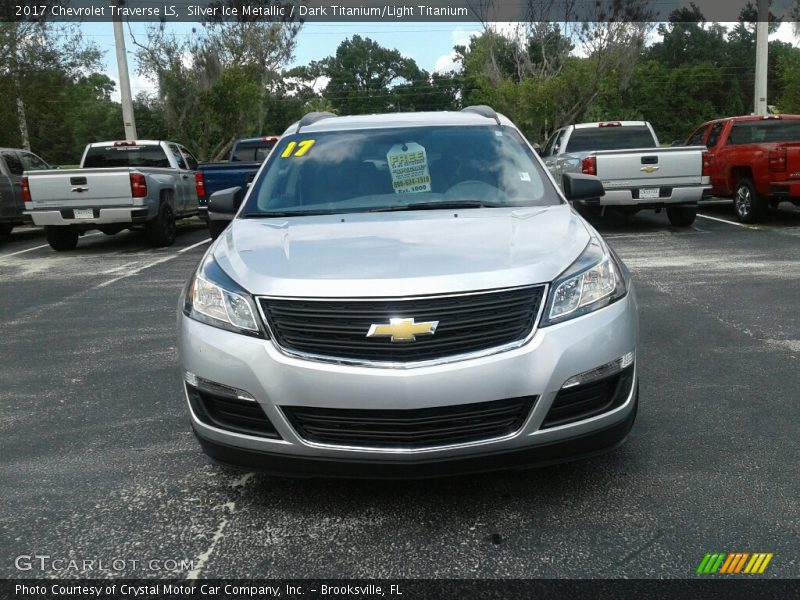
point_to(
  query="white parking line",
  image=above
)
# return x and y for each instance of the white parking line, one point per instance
(182, 250)
(729, 222)
(24, 251)
(40, 247)
(138, 270)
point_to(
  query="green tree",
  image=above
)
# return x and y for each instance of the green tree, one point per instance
(36, 59)
(362, 76)
(218, 84)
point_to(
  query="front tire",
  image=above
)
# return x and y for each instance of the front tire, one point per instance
(747, 204)
(161, 230)
(61, 239)
(681, 216)
(588, 211)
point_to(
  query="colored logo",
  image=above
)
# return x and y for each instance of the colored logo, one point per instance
(402, 330)
(734, 563)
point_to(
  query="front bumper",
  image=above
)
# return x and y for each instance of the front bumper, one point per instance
(539, 368)
(575, 448)
(102, 216)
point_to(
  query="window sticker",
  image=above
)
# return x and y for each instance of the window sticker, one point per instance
(296, 149)
(524, 176)
(408, 164)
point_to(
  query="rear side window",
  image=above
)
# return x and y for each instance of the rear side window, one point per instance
(31, 162)
(696, 139)
(548, 147)
(761, 132)
(713, 137)
(610, 138)
(13, 163)
(190, 159)
(253, 151)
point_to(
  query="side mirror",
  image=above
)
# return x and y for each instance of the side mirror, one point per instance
(224, 204)
(581, 187)
(537, 148)
(677, 143)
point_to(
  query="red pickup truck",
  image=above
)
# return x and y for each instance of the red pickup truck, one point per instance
(755, 160)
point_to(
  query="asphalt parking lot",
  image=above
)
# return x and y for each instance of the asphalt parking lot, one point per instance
(97, 460)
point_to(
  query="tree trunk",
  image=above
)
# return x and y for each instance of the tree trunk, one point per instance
(223, 150)
(23, 121)
(25, 141)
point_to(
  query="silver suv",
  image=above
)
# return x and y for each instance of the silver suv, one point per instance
(407, 295)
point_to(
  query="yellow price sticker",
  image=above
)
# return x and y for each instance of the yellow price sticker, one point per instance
(295, 149)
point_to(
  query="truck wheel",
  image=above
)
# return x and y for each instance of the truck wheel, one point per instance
(215, 228)
(681, 216)
(161, 230)
(5, 229)
(61, 238)
(746, 202)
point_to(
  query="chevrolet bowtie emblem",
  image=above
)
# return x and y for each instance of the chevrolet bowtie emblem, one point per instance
(402, 330)
(649, 169)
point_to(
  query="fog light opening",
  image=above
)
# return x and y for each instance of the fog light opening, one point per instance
(216, 388)
(606, 370)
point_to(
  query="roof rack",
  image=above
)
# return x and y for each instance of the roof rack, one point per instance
(311, 118)
(483, 110)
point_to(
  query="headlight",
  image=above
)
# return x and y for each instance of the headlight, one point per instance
(213, 298)
(592, 282)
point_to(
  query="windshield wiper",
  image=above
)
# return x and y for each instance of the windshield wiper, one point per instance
(286, 213)
(437, 205)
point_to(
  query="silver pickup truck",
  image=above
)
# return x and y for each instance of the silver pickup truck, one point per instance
(636, 173)
(120, 185)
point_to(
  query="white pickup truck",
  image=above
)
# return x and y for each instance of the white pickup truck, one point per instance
(120, 185)
(636, 173)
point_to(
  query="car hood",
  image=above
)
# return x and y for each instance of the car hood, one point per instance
(401, 253)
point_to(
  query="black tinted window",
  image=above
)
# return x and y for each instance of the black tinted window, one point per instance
(253, 151)
(125, 156)
(610, 138)
(758, 132)
(13, 163)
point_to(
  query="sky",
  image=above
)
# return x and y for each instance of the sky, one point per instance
(429, 44)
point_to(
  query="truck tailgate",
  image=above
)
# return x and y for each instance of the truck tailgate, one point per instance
(218, 176)
(658, 167)
(80, 187)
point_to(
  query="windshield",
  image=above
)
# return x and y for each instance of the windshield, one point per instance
(400, 169)
(593, 139)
